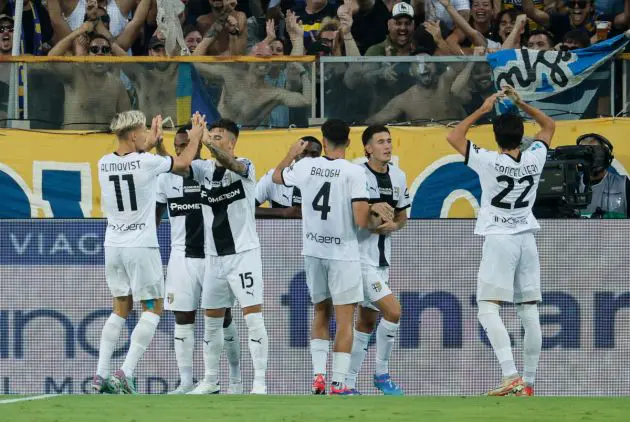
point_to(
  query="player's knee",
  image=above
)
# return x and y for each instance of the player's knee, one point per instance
(365, 325)
(528, 312)
(254, 321)
(393, 314)
(486, 309)
(184, 318)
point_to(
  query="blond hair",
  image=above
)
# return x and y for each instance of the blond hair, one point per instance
(127, 121)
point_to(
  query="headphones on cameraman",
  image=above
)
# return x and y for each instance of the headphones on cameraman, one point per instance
(602, 142)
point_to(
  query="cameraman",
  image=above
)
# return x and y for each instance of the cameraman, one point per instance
(610, 190)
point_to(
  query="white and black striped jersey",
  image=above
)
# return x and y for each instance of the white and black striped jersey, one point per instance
(508, 188)
(328, 189)
(227, 200)
(279, 196)
(182, 197)
(390, 187)
(128, 189)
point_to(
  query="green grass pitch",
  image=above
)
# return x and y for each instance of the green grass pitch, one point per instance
(158, 408)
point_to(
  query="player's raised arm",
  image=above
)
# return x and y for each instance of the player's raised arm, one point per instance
(223, 157)
(546, 123)
(181, 163)
(296, 149)
(457, 137)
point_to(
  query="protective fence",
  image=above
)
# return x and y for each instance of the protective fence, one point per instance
(54, 301)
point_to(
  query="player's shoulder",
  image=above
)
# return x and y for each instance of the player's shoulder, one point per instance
(397, 173)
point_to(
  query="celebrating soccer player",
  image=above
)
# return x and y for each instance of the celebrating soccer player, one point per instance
(386, 184)
(510, 268)
(133, 266)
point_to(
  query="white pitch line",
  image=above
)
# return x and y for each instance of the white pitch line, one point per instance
(44, 396)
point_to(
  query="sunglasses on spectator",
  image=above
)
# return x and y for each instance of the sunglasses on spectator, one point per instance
(580, 3)
(6, 28)
(100, 49)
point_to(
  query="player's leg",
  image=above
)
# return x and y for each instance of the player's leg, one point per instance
(346, 289)
(366, 321)
(144, 267)
(232, 345)
(495, 284)
(527, 294)
(183, 292)
(244, 274)
(317, 283)
(120, 288)
(215, 298)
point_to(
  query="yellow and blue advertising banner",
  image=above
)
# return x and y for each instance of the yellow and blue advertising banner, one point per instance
(54, 174)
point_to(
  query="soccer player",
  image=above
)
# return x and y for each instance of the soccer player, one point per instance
(285, 202)
(184, 275)
(233, 263)
(334, 206)
(510, 268)
(133, 267)
(386, 184)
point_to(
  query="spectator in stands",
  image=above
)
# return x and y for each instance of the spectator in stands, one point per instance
(399, 42)
(516, 8)
(6, 35)
(37, 31)
(192, 36)
(474, 84)
(540, 40)
(610, 190)
(580, 16)
(482, 14)
(574, 39)
(508, 21)
(435, 11)
(224, 29)
(118, 11)
(481, 21)
(371, 19)
(311, 14)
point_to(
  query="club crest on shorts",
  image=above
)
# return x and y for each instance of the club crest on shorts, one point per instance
(377, 287)
(170, 298)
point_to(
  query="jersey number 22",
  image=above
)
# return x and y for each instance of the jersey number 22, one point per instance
(497, 201)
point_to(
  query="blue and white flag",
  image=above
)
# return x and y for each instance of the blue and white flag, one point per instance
(537, 75)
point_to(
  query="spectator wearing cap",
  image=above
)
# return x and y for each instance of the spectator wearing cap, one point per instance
(399, 41)
(312, 14)
(6, 35)
(37, 31)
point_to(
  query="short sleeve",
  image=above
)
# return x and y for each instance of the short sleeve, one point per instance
(200, 169)
(250, 170)
(478, 158)
(158, 164)
(292, 175)
(539, 149)
(262, 189)
(358, 187)
(403, 199)
(161, 193)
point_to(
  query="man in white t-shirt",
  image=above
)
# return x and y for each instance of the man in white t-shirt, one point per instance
(133, 266)
(334, 206)
(510, 267)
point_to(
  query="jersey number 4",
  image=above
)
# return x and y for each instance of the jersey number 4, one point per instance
(497, 201)
(132, 191)
(322, 196)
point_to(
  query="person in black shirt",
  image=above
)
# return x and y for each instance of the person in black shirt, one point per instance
(370, 23)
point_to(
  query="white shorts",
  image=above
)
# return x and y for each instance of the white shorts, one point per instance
(233, 276)
(134, 271)
(331, 278)
(184, 279)
(509, 269)
(375, 285)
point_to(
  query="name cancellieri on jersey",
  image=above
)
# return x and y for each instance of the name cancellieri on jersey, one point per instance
(516, 171)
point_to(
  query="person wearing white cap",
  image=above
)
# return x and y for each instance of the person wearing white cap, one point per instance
(399, 40)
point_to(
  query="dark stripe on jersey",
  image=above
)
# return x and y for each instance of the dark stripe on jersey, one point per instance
(296, 200)
(219, 199)
(467, 155)
(274, 204)
(384, 183)
(189, 206)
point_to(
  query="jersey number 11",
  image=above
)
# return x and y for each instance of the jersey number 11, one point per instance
(132, 191)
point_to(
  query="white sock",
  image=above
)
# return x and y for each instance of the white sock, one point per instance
(258, 344)
(532, 342)
(385, 339)
(184, 340)
(340, 366)
(109, 337)
(141, 337)
(359, 350)
(232, 347)
(497, 334)
(319, 355)
(212, 347)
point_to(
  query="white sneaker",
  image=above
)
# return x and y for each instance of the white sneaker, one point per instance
(236, 387)
(259, 388)
(183, 389)
(204, 387)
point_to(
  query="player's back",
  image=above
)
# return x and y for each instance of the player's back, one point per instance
(128, 194)
(508, 187)
(328, 189)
